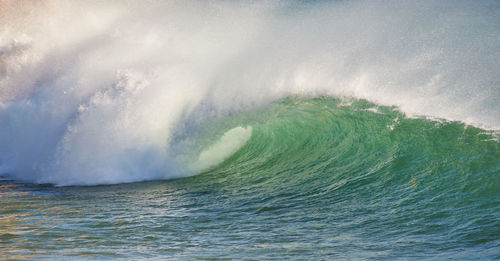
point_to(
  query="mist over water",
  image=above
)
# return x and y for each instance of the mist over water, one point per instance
(100, 92)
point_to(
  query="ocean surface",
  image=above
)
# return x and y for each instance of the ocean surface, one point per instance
(263, 130)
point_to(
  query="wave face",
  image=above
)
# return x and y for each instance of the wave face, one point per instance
(322, 145)
(109, 93)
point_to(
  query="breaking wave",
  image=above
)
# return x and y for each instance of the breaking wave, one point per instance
(124, 91)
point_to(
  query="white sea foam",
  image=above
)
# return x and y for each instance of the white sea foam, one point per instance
(91, 91)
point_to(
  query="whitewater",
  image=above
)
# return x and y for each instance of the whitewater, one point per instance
(250, 129)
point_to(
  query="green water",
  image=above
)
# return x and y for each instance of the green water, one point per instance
(319, 179)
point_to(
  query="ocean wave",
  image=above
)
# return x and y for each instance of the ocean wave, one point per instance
(106, 94)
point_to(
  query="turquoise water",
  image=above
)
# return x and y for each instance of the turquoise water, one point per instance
(318, 179)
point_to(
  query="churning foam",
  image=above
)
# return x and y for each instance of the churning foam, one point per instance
(91, 91)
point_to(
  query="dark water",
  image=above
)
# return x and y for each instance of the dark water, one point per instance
(319, 179)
